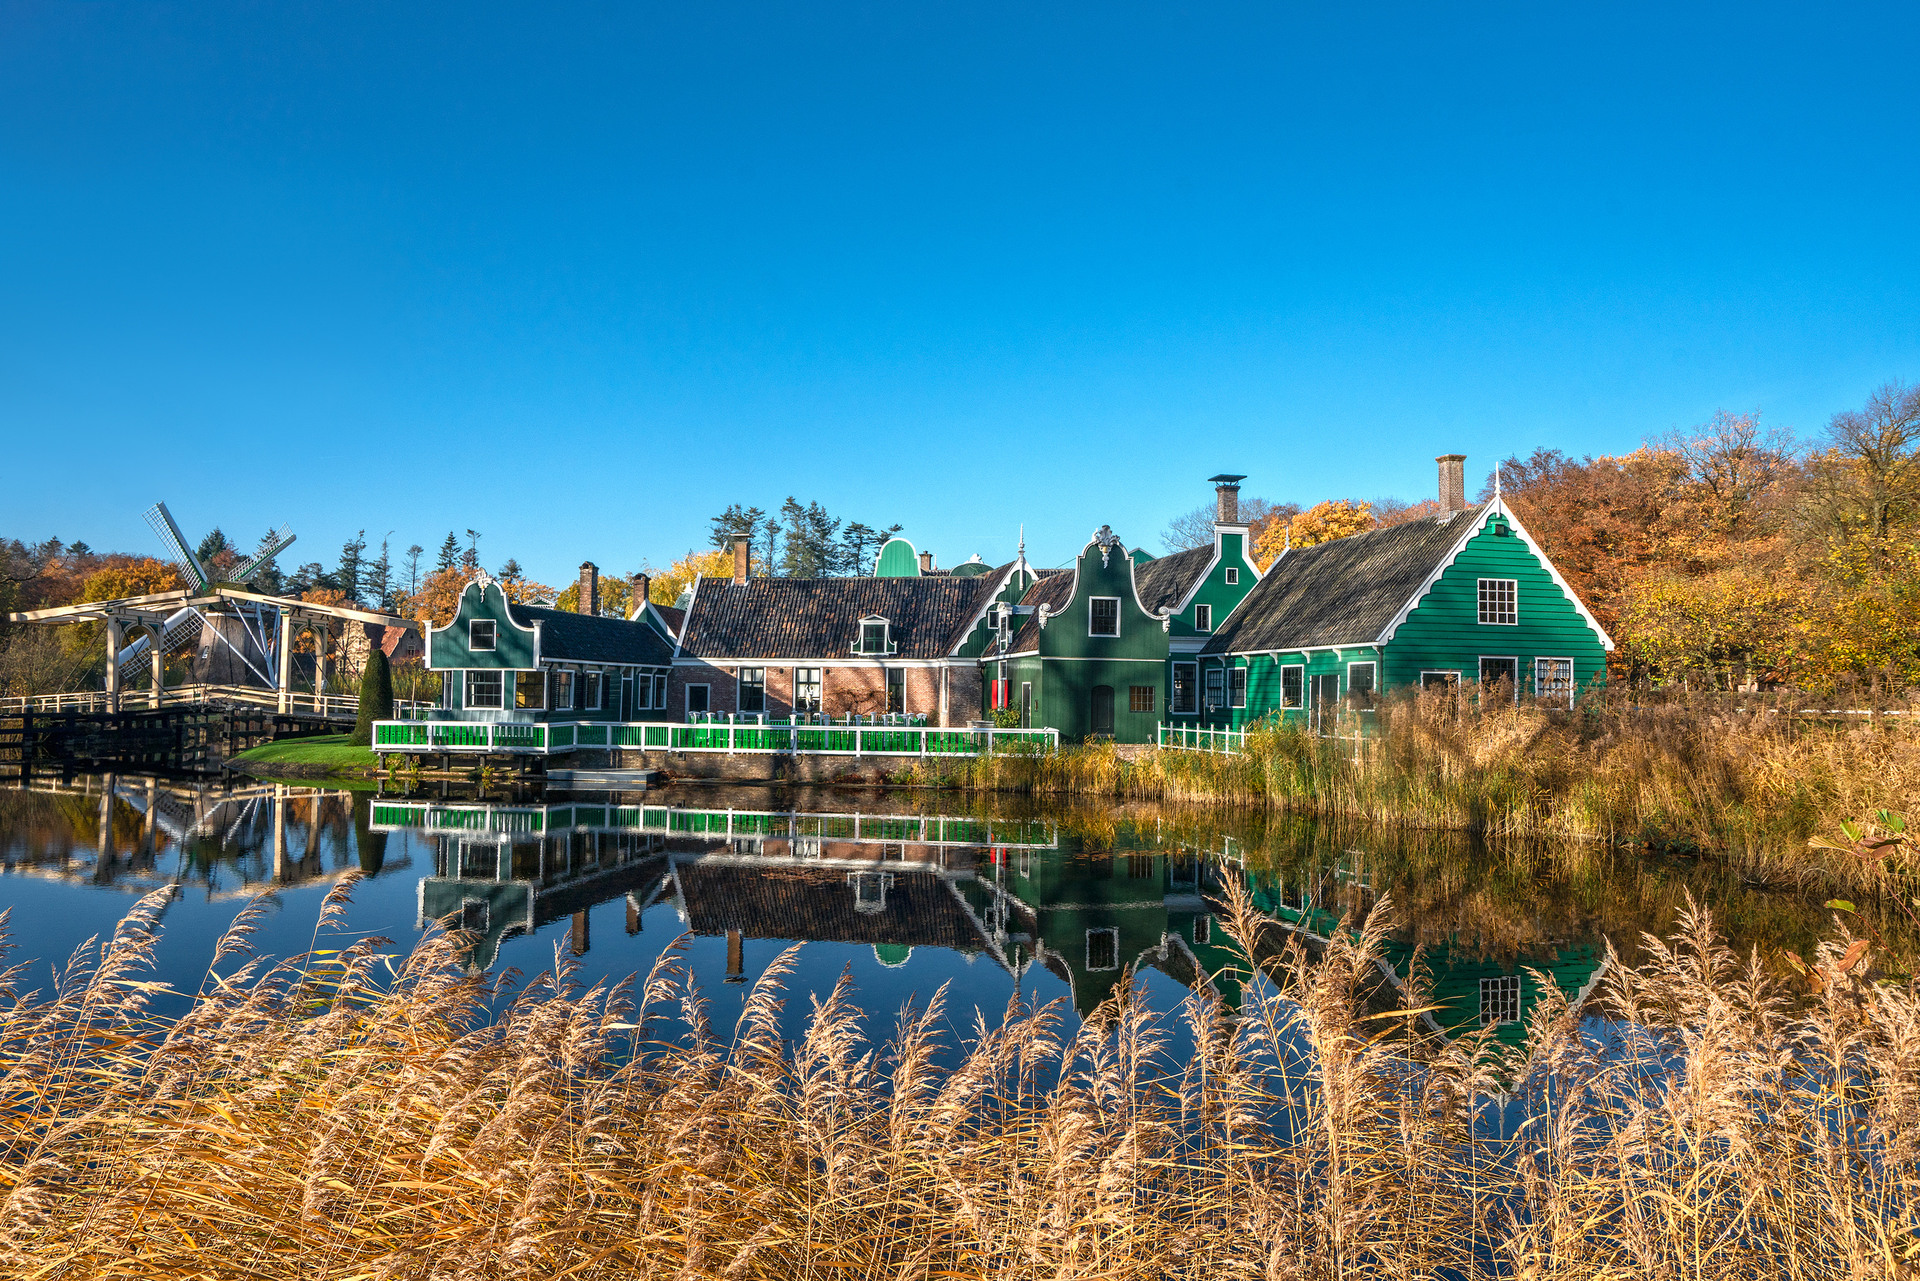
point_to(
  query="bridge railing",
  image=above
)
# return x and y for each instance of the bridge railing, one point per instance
(340, 706)
(556, 737)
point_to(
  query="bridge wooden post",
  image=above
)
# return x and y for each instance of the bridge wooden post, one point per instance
(113, 664)
(286, 662)
(159, 657)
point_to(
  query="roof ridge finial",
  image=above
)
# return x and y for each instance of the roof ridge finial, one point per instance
(1497, 501)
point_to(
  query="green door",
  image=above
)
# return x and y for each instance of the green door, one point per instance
(1102, 710)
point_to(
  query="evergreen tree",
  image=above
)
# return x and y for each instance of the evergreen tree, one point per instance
(810, 550)
(470, 559)
(413, 568)
(350, 576)
(738, 522)
(449, 553)
(511, 571)
(376, 696)
(268, 577)
(377, 579)
(859, 544)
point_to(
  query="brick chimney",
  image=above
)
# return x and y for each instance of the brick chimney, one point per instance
(642, 588)
(589, 589)
(742, 560)
(1453, 482)
(1226, 499)
(926, 562)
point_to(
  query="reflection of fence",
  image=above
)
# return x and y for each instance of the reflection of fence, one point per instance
(551, 738)
(537, 820)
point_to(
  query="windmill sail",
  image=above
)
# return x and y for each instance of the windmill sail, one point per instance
(277, 542)
(161, 520)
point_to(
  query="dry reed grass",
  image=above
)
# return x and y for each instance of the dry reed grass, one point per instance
(1709, 774)
(351, 1115)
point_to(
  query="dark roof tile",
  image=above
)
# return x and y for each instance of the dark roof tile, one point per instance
(579, 638)
(816, 904)
(820, 617)
(1164, 582)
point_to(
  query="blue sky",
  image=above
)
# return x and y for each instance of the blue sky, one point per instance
(577, 276)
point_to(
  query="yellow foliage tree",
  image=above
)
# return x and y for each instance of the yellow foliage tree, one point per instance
(138, 578)
(1321, 523)
(616, 597)
(438, 599)
(668, 585)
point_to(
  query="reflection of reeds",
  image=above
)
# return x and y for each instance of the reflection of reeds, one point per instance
(304, 1120)
(1708, 775)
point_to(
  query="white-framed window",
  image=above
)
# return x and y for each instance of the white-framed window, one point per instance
(1553, 680)
(896, 689)
(1233, 577)
(1236, 687)
(1203, 929)
(1186, 680)
(1103, 949)
(530, 690)
(1494, 671)
(1203, 618)
(875, 635)
(1500, 1000)
(1216, 688)
(1439, 678)
(482, 635)
(752, 693)
(591, 694)
(1103, 616)
(1140, 698)
(660, 692)
(486, 690)
(1293, 686)
(806, 691)
(1500, 601)
(643, 690)
(563, 691)
(699, 699)
(1360, 682)
(474, 915)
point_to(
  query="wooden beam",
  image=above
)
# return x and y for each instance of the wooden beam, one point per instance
(319, 610)
(97, 610)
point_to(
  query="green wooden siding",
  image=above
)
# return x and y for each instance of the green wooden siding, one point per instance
(1072, 664)
(513, 644)
(1214, 590)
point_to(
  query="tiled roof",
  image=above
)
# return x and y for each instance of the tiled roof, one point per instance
(815, 904)
(1163, 583)
(671, 617)
(820, 617)
(1340, 593)
(579, 638)
(1054, 590)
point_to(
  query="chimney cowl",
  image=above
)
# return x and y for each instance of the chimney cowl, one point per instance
(1226, 498)
(1453, 483)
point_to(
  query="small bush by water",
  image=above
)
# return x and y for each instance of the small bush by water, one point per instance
(349, 1114)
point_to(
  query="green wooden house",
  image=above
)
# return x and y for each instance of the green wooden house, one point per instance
(507, 662)
(1198, 589)
(1464, 598)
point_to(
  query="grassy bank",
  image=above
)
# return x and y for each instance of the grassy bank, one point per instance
(329, 752)
(1687, 776)
(309, 1121)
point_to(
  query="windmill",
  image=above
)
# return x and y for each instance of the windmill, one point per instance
(232, 640)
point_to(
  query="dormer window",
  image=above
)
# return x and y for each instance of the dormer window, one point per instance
(875, 636)
(480, 634)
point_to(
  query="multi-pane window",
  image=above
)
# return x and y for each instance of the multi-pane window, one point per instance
(1103, 616)
(753, 689)
(1203, 618)
(1103, 949)
(1293, 687)
(1216, 688)
(530, 689)
(1233, 578)
(1499, 600)
(1553, 680)
(590, 691)
(1360, 684)
(1237, 686)
(873, 636)
(896, 689)
(806, 690)
(1185, 679)
(643, 690)
(1500, 1000)
(485, 689)
(1439, 680)
(562, 691)
(1140, 698)
(480, 634)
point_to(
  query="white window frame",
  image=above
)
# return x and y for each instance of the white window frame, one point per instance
(1114, 933)
(1454, 672)
(896, 675)
(740, 688)
(496, 674)
(1205, 680)
(886, 636)
(561, 678)
(493, 641)
(709, 699)
(1281, 694)
(1480, 599)
(819, 684)
(1232, 576)
(1480, 670)
(593, 691)
(1115, 633)
(1500, 994)
(1173, 681)
(1236, 686)
(1203, 618)
(1573, 684)
(1373, 685)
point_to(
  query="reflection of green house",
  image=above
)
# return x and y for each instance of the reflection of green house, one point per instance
(1473, 990)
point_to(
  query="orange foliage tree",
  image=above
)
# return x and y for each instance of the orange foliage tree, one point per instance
(1320, 523)
(668, 584)
(438, 599)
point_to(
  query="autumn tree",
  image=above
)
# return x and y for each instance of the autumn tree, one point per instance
(670, 583)
(1321, 523)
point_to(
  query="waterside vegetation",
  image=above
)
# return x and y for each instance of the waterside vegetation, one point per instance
(348, 1113)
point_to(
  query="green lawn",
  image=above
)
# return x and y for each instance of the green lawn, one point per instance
(330, 750)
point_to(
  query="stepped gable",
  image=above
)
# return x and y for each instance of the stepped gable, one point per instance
(1165, 581)
(580, 638)
(820, 617)
(1054, 590)
(816, 904)
(1344, 592)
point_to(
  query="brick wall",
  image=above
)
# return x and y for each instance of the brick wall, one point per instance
(843, 690)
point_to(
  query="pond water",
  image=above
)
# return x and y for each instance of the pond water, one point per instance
(906, 891)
